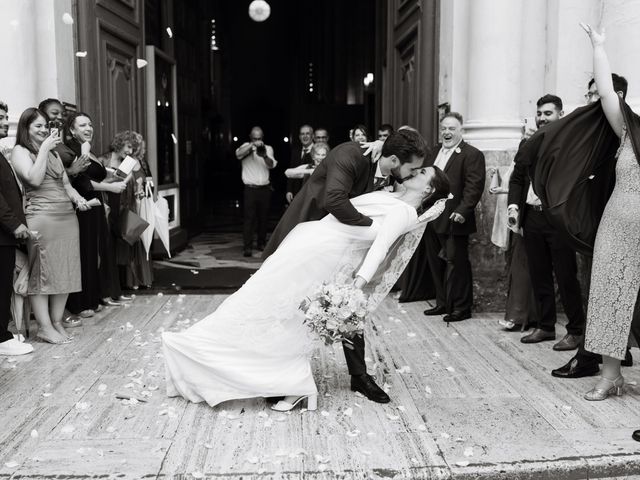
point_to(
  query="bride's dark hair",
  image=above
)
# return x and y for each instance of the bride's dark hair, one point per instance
(441, 189)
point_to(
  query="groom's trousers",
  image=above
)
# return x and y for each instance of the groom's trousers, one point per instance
(355, 356)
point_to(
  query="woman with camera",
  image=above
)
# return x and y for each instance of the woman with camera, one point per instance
(54, 251)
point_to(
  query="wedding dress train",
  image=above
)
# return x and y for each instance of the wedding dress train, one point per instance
(255, 344)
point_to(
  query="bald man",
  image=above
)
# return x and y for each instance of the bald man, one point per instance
(257, 159)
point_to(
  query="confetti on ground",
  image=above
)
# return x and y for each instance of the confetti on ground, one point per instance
(404, 369)
(422, 428)
(392, 417)
(411, 334)
(324, 413)
(34, 434)
(566, 408)
(468, 452)
(401, 408)
(445, 435)
(11, 464)
(427, 390)
(46, 394)
(348, 412)
(451, 369)
(462, 464)
(68, 429)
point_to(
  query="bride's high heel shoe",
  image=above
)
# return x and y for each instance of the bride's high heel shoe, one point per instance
(289, 403)
(597, 394)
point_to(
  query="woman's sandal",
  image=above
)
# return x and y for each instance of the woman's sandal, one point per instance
(285, 406)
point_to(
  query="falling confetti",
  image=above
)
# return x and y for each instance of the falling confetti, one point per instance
(169, 32)
(141, 63)
(67, 19)
(81, 54)
(175, 140)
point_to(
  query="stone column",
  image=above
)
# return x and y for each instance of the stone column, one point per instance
(37, 54)
(493, 117)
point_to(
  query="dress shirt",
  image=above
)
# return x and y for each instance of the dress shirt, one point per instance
(254, 169)
(444, 155)
(532, 198)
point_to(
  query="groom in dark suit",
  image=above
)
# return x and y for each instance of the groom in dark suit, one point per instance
(449, 233)
(344, 174)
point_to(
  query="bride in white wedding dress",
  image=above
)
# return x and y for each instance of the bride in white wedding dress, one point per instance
(255, 344)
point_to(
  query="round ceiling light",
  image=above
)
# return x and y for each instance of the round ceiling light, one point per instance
(259, 10)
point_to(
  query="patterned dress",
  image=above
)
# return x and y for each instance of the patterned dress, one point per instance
(615, 277)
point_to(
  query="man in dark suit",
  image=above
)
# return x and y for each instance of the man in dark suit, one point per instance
(12, 229)
(300, 155)
(344, 174)
(449, 234)
(547, 251)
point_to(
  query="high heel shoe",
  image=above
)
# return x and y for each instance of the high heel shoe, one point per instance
(597, 394)
(285, 406)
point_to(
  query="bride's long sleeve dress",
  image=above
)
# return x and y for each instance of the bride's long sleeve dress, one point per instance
(255, 343)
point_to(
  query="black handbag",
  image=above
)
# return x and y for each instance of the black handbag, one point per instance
(132, 226)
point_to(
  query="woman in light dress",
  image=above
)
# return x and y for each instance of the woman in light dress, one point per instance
(54, 255)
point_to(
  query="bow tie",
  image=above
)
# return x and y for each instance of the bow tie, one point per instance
(381, 182)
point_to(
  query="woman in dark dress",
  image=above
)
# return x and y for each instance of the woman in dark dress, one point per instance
(96, 251)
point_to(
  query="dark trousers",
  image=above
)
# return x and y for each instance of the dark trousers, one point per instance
(256, 211)
(355, 356)
(7, 266)
(451, 277)
(548, 254)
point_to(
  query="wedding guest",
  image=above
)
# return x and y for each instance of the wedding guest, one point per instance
(321, 135)
(54, 255)
(544, 243)
(465, 167)
(520, 309)
(615, 275)
(121, 146)
(96, 251)
(319, 152)
(13, 230)
(384, 131)
(300, 155)
(53, 109)
(257, 159)
(359, 134)
(584, 363)
(138, 271)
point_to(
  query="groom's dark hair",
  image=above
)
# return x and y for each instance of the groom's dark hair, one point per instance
(404, 144)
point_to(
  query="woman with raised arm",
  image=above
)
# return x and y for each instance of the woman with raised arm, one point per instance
(615, 276)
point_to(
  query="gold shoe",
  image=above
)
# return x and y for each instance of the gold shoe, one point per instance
(597, 394)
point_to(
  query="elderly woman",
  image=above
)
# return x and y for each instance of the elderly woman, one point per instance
(54, 256)
(123, 144)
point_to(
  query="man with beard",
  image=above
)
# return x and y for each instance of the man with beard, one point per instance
(346, 173)
(448, 235)
(547, 251)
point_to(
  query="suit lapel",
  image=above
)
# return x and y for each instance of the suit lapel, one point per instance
(454, 156)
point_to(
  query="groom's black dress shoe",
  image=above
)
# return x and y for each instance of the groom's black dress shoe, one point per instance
(577, 368)
(636, 435)
(457, 316)
(437, 310)
(366, 386)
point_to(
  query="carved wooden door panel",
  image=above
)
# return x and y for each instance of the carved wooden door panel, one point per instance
(111, 87)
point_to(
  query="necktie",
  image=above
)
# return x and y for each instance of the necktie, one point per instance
(380, 182)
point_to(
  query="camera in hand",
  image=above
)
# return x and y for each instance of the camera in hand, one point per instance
(55, 126)
(261, 150)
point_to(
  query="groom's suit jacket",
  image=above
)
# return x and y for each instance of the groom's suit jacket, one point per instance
(344, 174)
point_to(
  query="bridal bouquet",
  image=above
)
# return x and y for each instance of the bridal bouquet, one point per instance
(335, 311)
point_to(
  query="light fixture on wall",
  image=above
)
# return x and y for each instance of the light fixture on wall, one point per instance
(259, 10)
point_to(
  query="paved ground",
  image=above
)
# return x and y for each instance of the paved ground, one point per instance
(469, 401)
